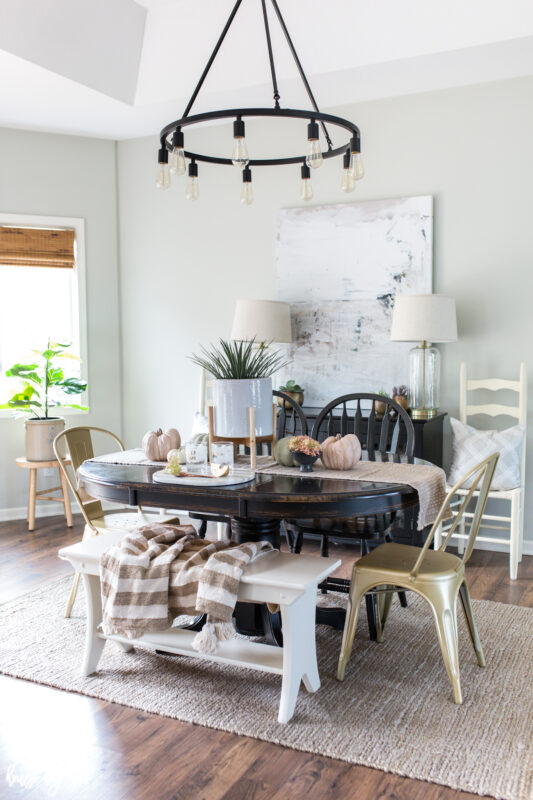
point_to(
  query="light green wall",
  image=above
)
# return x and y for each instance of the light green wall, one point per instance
(72, 177)
(184, 264)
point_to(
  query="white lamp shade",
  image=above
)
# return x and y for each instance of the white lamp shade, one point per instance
(262, 320)
(424, 317)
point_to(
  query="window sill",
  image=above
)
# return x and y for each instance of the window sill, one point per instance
(6, 413)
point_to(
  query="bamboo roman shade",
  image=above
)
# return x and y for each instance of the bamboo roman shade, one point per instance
(37, 247)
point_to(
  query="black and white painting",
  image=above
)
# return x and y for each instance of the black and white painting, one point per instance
(340, 267)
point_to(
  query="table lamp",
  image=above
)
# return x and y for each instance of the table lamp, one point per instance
(424, 318)
(263, 320)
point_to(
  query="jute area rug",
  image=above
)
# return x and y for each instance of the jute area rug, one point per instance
(394, 710)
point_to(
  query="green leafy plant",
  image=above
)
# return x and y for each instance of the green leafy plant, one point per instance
(237, 360)
(383, 393)
(39, 378)
(291, 386)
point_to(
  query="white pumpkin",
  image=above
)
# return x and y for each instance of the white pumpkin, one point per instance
(156, 444)
(341, 452)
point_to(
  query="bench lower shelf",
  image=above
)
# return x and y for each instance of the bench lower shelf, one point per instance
(239, 652)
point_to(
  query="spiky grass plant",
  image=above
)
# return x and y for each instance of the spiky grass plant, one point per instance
(239, 360)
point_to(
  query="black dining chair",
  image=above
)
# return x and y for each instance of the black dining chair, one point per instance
(291, 421)
(387, 436)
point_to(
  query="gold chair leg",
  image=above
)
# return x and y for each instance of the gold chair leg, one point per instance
(87, 534)
(72, 595)
(350, 625)
(445, 614)
(383, 608)
(464, 594)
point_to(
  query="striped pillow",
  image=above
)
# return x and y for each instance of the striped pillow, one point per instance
(470, 446)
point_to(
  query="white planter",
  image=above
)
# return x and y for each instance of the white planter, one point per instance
(233, 398)
(40, 433)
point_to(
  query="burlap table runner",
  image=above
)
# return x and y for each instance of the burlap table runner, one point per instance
(429, 481)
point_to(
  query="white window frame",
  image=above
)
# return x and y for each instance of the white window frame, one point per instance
(79, 287)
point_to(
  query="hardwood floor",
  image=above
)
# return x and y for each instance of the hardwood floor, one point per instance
(62, 745)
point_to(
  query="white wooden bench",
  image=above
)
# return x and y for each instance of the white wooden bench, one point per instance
(280, 578)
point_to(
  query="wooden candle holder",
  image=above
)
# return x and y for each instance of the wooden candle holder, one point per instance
(250, 441)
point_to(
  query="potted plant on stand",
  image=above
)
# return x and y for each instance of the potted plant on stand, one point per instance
(295, 391)
(242, 374)
(41, 384)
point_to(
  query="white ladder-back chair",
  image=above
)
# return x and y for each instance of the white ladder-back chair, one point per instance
(514, 523)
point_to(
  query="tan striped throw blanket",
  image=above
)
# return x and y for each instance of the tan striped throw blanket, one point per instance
(158, 572)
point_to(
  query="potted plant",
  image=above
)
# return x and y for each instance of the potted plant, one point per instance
(381, 407)
(242, 374)
(294, 390)
(41, 384)
(401, 395)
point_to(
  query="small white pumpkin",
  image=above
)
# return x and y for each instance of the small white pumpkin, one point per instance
(156, 444)
(341, 452)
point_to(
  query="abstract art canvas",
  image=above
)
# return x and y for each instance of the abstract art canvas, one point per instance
(340, 267)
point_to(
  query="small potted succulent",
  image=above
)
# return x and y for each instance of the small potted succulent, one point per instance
(305, 451)
(41, 386)
(381, 407)
(294, 390)
(401, 396)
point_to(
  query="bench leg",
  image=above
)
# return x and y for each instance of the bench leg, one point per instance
(94, 645)
(299, 652)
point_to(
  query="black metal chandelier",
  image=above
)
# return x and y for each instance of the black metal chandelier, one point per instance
(172, 154)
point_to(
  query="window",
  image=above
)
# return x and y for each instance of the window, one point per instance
(42, 291)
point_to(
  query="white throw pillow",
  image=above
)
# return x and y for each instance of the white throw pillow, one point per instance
(470, 446)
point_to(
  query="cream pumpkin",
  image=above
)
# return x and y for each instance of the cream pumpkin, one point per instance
(156, 444)
(341, 452)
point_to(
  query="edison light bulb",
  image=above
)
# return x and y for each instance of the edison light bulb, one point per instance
(192, 192)
(357, 167)
(306, 188)
(162, 175)
(177, 165)
(239, 155)
(314, 154)
(247, 193)
(348, 181)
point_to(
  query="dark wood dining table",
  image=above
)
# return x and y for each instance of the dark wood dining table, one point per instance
(256, 510)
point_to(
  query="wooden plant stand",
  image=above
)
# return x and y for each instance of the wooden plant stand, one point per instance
(45, 494)
(250, 441)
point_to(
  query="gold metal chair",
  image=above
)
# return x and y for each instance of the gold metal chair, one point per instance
(434, 574)
(80, 446)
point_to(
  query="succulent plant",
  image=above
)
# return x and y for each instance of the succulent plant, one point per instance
(383, 393)
(291, 386)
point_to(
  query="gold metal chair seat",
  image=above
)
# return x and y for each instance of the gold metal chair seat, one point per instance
(396, 561)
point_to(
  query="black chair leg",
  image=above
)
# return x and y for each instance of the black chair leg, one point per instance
(202, 529)
(401, 595)
(371, 616)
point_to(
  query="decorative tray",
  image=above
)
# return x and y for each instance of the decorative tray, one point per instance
(187, 479)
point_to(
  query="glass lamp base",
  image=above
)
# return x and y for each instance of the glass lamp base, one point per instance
(424, 379)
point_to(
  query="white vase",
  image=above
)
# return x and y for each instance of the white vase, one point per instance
(233, 398)
(40, 434)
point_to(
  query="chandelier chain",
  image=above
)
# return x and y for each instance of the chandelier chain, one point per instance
(212, 58)
(271, 56)
(301, 71)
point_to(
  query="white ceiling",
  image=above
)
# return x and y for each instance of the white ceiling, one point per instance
(121, 69)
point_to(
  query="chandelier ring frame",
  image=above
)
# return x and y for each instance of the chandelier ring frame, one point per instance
(280, 113)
